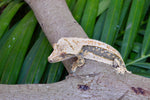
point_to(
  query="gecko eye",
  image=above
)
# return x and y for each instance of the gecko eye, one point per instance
(63, 55)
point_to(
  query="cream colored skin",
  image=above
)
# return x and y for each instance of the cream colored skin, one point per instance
(68, 47)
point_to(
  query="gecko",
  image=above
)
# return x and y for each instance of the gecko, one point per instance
(85, 48)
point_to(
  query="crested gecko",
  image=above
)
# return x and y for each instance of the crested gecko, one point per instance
(85, 48)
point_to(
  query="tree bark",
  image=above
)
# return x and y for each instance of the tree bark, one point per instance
(93, 81)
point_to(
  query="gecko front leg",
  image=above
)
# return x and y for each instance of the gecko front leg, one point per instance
(78, 63)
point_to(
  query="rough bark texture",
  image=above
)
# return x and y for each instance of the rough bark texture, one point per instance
(55, 19)
(94, 81)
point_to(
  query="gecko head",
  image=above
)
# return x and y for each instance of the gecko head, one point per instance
(61, 57)
(63, 50)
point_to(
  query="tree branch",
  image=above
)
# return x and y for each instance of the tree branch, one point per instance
(94, 80)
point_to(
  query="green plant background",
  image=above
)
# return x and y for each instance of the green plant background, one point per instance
(124, 24)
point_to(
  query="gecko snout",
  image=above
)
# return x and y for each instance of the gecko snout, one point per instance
(50, 61)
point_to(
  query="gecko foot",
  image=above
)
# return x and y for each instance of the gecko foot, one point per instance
(80, 62)
(120, 67)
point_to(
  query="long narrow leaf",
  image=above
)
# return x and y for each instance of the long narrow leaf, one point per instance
(35, 62)
(89, 16)
(77, 11)
(6, 35)
(103, 5)
(112, 20)
(124, 12)
(146, 8)
(2, 3)
(13, 51)
(55, 72)
(136, 47)
(71, 4)
(135, 69)
(146, 40)
(7, 15)
(142, 65)
(99, 26)
(132, 27)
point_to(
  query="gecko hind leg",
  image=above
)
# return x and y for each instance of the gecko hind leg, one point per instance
(116, 63)
(80, 62)
(120, 68)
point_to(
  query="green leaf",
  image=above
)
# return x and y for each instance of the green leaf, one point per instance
(112, 20)
(135, 69)
(139, 71)
(103, 5)
(146, 40)
(89, 17)
(71, 4)
(124, 13)
(137, 60)
(137, 47)
(14, 50)
(142, 65)
(146, 8)
(133, 56)
(2, 3)
(6, 35)
(35, 61)
(7, 15)
(99, 26)
(132, 27)
(78, 10)
(55, 72)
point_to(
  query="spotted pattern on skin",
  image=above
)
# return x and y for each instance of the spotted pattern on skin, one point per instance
(100, 52)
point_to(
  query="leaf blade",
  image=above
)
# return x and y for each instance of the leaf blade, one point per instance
(111, 23)
(7, 15)
(132, 27)
(78, 10)
(146, 40)
(89, 17)
(35, 62)
(13, 52)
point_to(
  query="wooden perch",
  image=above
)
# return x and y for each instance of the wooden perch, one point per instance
(93, 81)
